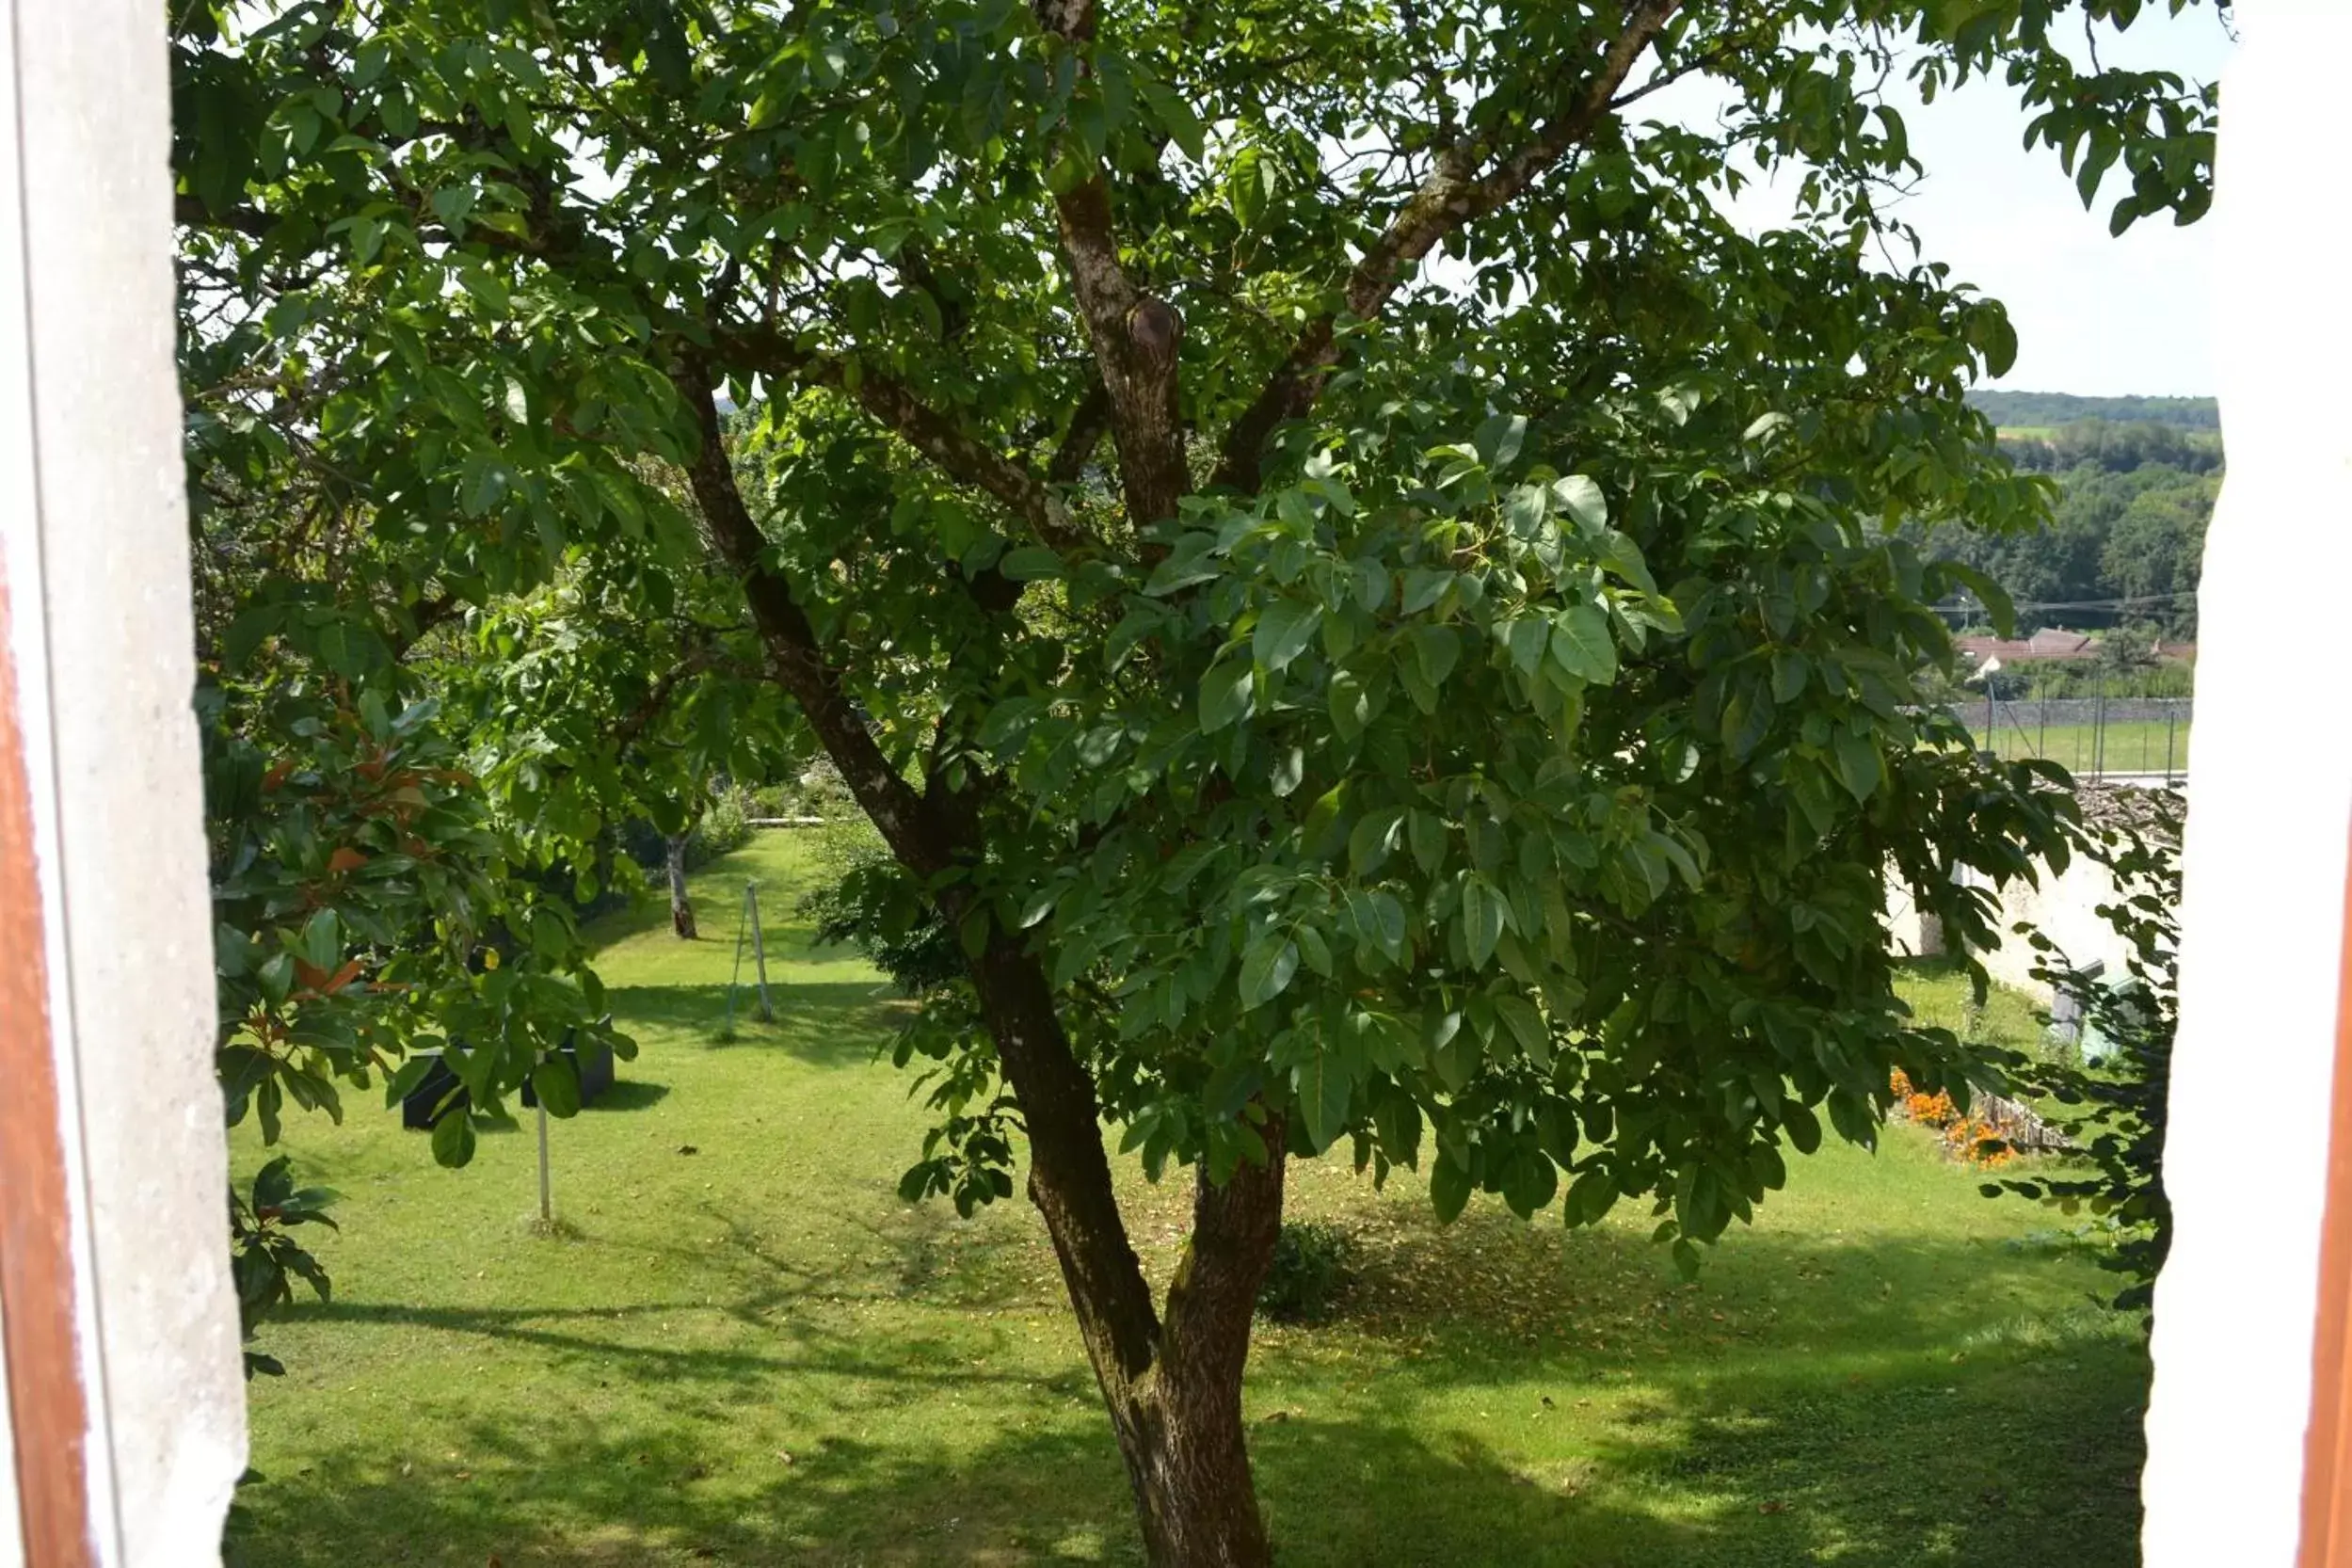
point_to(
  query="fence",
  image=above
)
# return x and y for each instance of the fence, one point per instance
(2091, 737)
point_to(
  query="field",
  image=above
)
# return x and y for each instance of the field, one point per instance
(2135, 746)
(744, 1349)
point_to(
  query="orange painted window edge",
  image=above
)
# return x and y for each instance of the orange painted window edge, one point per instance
(2327, 1465)
(47, 1408)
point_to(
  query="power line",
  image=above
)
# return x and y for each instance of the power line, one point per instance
(1972, 607)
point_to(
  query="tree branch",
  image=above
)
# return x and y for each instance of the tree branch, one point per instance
(792, 642)
(1453, 195)
(1088, 421)
(1134, 334)
(932, 433)
(640, 718)
(249, 221)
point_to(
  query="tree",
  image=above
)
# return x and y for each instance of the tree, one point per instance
(2124, 541)
(1363, 600)
(402, 802)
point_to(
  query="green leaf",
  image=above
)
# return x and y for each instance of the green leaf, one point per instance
(1448, 1189)
(1324, 1087)
(1289, 767)
(1581, 499)
(1995, 597)
(1267, 969)
(277, 978)
(1526, 1026)
(1324, 812)
(1526, 637)
(1789, 669)
(1225, 695)
(1040, 905)
(1372, 839)
(1857, 764)
(1581, 644)
(1427, 833)
(1032, 563)
(273, 1184)
(1172, 113)
(1191, 561)
(1802, 1126)
(1388, 923)
(247, 632)
(1285, 627)
(1435, 650)
(1423, 588)
(1500, 437)
(1747, 720)
(1591, 1197)
(1482, 915)
(1530, 1184)
(556, 1082)
(322, 940)
(453, 1137)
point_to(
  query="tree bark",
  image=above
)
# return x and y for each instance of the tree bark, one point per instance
(681, 907)
(1181, 1432)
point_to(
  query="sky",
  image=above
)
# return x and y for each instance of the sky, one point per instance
(2095, 316)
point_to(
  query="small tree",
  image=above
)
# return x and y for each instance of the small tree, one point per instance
(1366, 603)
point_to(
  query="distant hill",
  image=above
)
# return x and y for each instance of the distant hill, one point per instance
(2045, 410)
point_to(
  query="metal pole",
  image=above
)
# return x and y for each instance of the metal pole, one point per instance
(2171, 718)
(2099, 733)
(547, 1196)
(1992, 739)
(735, 975)
(758, 950)
(2041, 736)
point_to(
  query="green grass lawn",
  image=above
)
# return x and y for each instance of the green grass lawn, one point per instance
(748, 1351)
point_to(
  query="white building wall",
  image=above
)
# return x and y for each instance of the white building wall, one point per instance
(2265, 862)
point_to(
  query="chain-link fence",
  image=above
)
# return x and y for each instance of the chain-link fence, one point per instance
(2091, 737)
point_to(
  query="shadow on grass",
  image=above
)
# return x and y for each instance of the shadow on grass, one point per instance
(827, 1023)
(763, 1286)
(1869, 1430)
(1335, 1491)
(569, 1334)
(627, 1094)
(1492, 1288)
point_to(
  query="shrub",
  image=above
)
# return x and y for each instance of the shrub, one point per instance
(1981, 1138)
(725, 826)
(869, 901)
(1309, 1273)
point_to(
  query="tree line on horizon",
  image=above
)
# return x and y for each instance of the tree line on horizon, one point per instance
(2127, 524)
(2036, 410)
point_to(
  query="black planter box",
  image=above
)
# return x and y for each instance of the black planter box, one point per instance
(422, 1107)
(594, 1065)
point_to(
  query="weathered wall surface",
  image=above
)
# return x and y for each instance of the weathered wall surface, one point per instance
(2064, 907)
(93, 535)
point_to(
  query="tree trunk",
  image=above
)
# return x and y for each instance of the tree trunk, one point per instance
(681, 907)
(1180, 1431)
